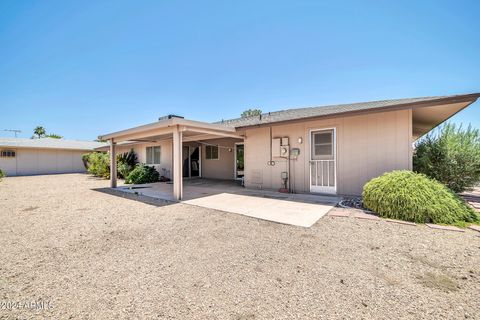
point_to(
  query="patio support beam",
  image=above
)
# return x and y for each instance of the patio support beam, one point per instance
(177, 164)
(217, 133)
(113, 164)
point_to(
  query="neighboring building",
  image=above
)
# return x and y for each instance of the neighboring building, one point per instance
(20, 156)
(331, 149)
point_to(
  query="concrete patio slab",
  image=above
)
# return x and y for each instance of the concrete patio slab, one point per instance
(446, 228)
(276, 210)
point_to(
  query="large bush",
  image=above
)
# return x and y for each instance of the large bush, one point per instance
(99, 164)
(142, 174)
(410, 196)
(86, 159)
(126, 163)
(450, 155)
(2, 175)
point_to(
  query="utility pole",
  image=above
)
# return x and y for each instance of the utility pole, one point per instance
(14, 131)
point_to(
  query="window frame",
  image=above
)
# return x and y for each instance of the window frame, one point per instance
(331, 144)
(211, 153)
(8, 153)
(152, 157)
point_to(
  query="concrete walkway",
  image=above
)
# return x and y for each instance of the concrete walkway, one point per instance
(296, 209)
(282, 211)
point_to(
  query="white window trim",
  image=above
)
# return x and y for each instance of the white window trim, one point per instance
(13, 153)
(153, 155)
(218, 153)
(321, 144)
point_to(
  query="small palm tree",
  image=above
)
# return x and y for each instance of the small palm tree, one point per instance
(39, 132)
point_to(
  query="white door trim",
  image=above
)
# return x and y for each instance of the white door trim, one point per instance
(235, 159)
(190, 161)
(322, 189)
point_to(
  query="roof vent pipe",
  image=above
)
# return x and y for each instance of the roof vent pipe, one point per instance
(170, 116)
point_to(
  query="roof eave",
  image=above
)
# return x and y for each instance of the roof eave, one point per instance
(412, 105)
(167, 123)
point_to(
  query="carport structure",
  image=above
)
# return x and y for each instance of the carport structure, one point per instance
(174, 128)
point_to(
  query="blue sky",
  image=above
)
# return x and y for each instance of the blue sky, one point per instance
(83, 68)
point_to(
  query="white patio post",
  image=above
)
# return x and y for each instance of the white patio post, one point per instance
(177, 164)
(113, 164)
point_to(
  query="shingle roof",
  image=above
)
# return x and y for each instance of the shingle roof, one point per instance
(50, 143)
(319, 111)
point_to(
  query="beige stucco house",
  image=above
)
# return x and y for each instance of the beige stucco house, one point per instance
(20, 156)
(329, 150)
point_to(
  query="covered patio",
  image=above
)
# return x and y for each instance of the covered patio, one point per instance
(173, 128)
(301, 210)
(199, 188)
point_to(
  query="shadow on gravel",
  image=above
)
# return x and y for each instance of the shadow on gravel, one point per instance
(136, 197)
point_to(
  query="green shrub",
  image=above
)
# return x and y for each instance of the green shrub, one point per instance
(410, 196)
(85, 160)
(99, 164)
(126, 163)
(450, 155)
(123, 170)
(142, 174)
(2, 175)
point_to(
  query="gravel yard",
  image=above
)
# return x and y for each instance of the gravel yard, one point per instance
(100, 256)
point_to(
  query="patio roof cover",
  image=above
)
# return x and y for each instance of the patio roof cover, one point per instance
(163, 129)
(172, 127)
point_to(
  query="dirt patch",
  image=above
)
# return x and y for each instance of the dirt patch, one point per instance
(98, 255)
(30, 209)
(438, 281)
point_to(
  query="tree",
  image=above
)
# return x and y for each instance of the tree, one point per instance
(251, 113)
(54, 136)
(39, 132)
(450, 155)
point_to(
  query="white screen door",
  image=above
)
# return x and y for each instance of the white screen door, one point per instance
(322, 161)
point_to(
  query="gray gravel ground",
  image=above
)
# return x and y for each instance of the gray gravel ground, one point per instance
(99, 256)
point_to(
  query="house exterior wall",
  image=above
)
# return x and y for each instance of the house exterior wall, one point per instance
(366, 146)
(141, 151)
(223, 168)
(9, 165)
(30, 161)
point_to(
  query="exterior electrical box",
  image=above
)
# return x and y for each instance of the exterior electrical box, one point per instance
(280, 148)
(284, 151)
(295, 152)
(276, 143)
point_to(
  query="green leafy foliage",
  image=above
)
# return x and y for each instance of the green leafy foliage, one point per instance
(450, 155)
(251, 112)
(54, 136)
(2, 174)
(126, 163)
(85, 160)
(142, 174)
(39, 132)
(98, 164)
(410, 196)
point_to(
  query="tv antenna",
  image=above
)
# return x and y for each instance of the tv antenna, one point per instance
(14, 131)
